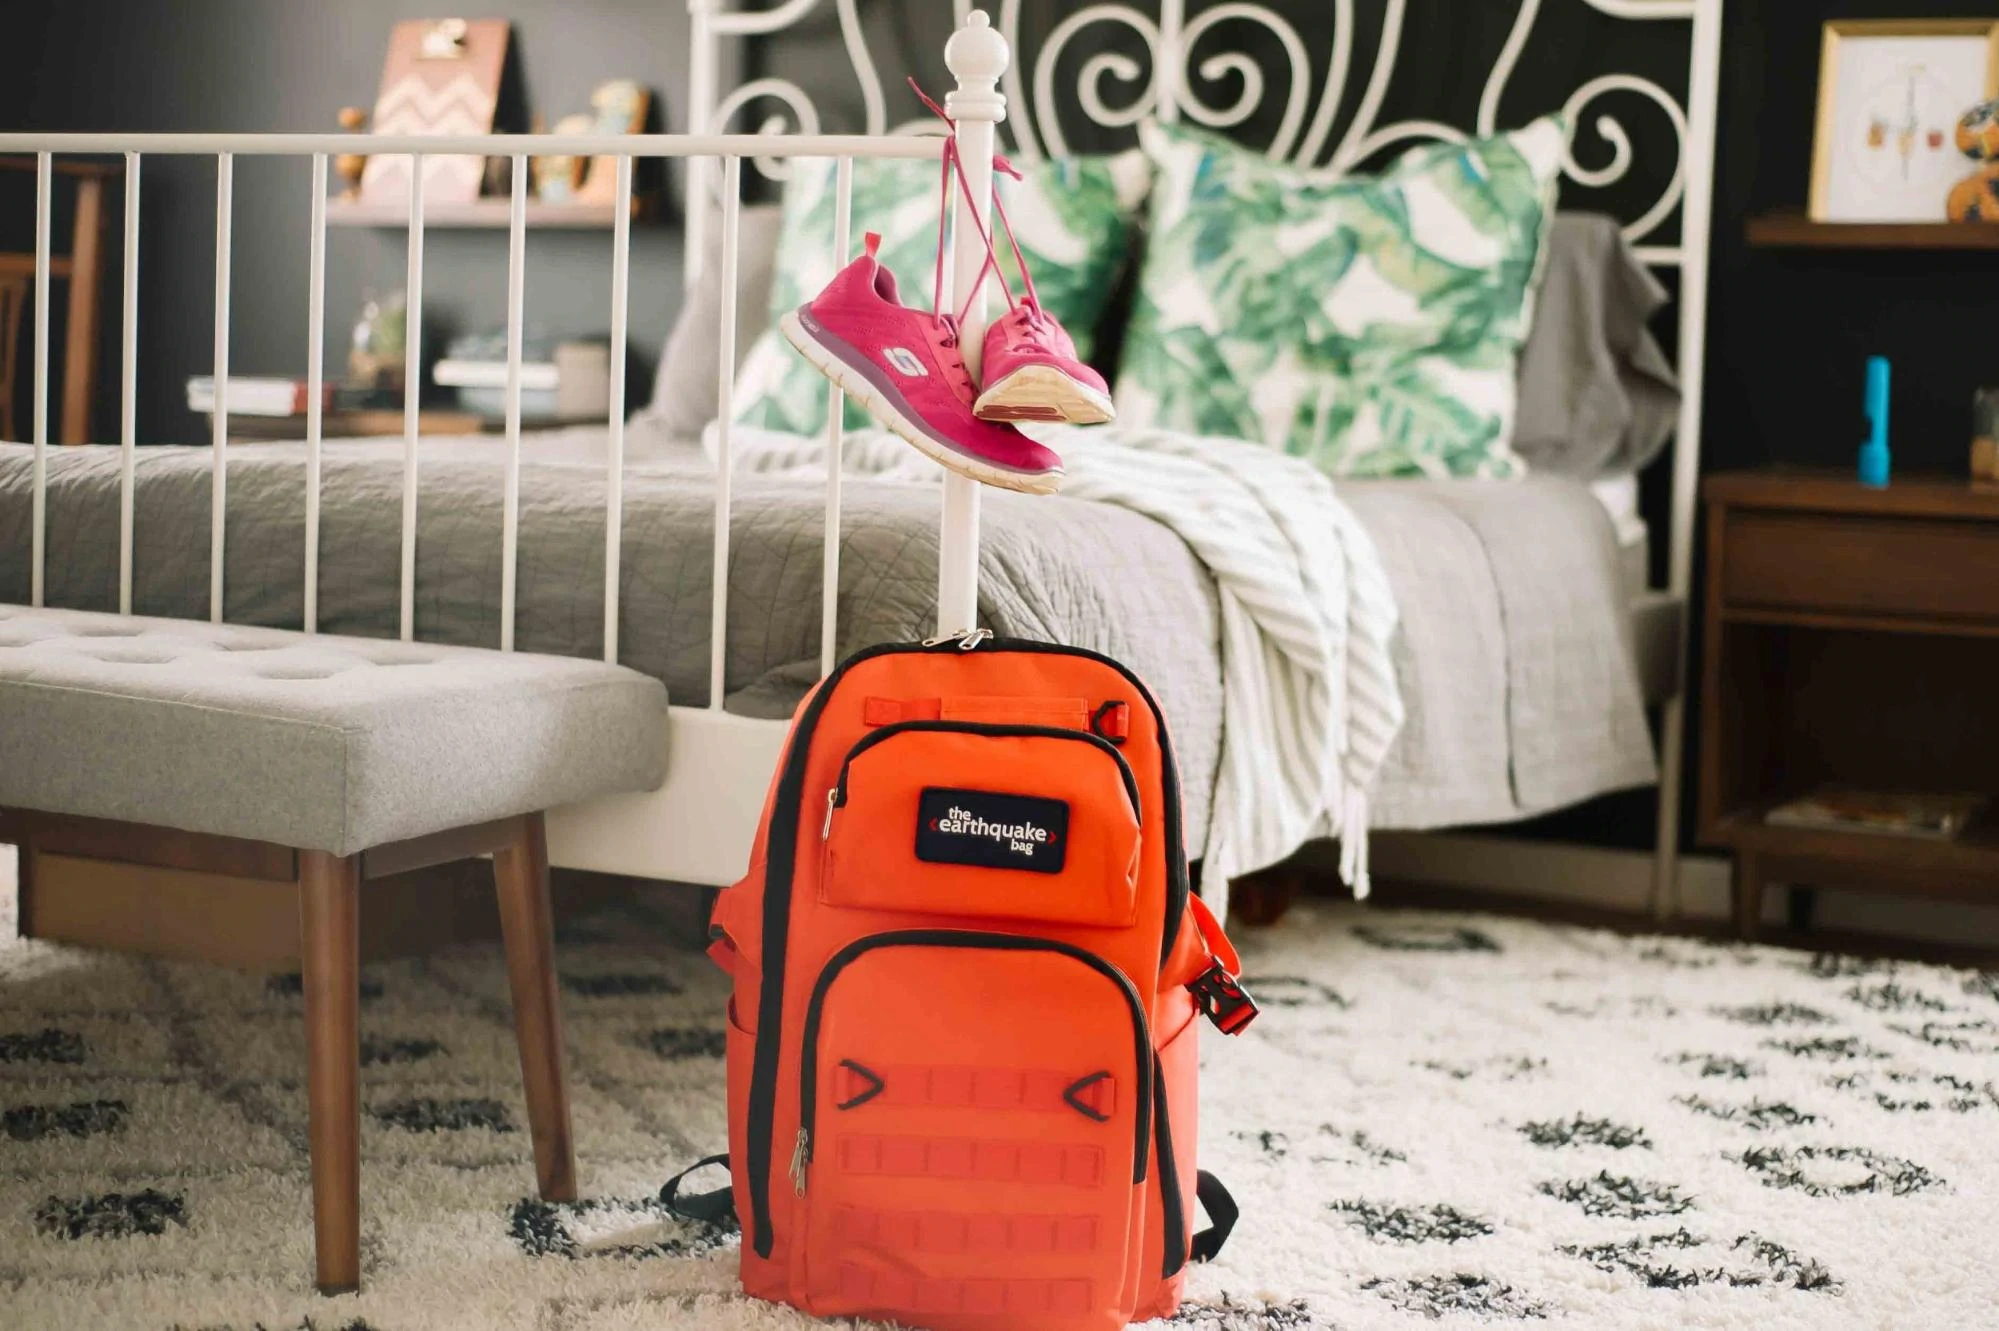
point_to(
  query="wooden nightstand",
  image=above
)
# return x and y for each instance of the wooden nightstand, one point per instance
(1852, 637)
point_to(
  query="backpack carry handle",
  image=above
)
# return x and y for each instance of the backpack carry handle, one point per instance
(1222, 1210)
(707, 1207)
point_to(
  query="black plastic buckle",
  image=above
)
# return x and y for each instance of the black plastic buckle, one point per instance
(1223, 999)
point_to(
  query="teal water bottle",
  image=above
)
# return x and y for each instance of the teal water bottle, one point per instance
(1874, 448)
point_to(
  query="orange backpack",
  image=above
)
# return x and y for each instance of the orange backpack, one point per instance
(961, 1046)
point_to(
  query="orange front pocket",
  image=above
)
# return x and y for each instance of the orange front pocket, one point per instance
(976, 1110)
(993, 821)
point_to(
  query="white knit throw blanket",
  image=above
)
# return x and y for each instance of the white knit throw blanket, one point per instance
(1310, 701)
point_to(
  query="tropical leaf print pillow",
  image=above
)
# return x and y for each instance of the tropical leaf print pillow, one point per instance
(1075, 219)
(1369, 324)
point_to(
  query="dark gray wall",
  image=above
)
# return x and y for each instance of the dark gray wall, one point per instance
(274, 65)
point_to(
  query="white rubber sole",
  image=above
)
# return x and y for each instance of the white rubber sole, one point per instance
(863, 390)
(1043, 393)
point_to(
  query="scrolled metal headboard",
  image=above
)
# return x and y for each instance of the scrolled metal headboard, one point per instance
(1157, 59)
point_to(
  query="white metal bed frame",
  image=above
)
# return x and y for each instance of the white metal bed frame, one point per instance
(698, 827)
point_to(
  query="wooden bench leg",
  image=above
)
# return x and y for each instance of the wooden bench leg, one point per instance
(520, 871)
(330, 948)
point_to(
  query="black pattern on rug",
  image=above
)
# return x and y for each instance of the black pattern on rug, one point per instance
(1476, 1296)
(1837, 1171)
(1668, 1261)
(384, 1051)
(427, 1115)
(1408, 937)
(679, 1043)
(1293, 991)
(43, 1046)
(1774, 1014)
(1567, 1128)
(606, 1228)
(1726, 1066)
(1615, 1195)
(1757, 1115)
(290, 984)
(82, 1118)
(111, 1215)
(629, 985)
(1581, 1131)
(1229, 1315)
(1412, 1224)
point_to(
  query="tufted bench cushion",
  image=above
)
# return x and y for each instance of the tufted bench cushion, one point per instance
(318, 743)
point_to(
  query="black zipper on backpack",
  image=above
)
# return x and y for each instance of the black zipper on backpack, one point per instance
(990, 730)
(780, 864)
(1170, 1199)
(1145, 1061)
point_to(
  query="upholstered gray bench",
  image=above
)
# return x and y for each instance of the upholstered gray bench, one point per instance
(170, 759)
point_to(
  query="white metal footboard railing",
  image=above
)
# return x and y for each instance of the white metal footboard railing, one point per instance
(698, 828)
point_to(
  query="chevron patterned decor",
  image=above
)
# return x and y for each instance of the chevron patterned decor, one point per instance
(436, 96)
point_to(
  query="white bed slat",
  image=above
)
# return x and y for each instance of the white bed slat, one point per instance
(718, 642)
(510, 520)
(614, 459)
(44, 202)
(315, 356)
(128, 386)
(412, 386)
(225, 188)
(836, 409)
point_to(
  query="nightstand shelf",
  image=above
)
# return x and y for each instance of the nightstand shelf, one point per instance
(1967, 865)
(1852, 639)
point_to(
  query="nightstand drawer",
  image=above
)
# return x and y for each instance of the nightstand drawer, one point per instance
(1840, 564)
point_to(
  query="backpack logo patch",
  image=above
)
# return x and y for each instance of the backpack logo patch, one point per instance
(990, 830)
(904, 360)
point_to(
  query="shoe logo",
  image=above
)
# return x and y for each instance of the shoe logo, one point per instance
(990, 830)
(904, 360)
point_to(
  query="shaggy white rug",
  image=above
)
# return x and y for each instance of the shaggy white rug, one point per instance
(1447, 1117)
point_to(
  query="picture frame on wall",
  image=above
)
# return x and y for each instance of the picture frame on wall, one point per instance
(1891, 92)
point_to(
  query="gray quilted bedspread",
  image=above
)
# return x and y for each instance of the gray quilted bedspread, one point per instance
(1513, 654)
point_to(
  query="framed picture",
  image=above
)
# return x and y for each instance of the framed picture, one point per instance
(1890, 95)
(442, 77)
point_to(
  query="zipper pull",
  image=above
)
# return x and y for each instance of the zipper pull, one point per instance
(832, 803)
(801, 1155)
(966, 639)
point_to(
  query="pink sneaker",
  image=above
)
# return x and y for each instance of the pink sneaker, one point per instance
(1032, 372)
(1030, 366)
(905, 366)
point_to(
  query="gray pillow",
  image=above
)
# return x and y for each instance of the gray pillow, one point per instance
(683, 391)
(1597, 395)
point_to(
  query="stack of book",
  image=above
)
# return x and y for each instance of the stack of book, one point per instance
(255, 395)
(1934, 817)
(560, 381)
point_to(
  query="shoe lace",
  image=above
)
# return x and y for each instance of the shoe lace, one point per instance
(955, 370)
(953, 166)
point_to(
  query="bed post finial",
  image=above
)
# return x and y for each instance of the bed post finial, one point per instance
(977, 56)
